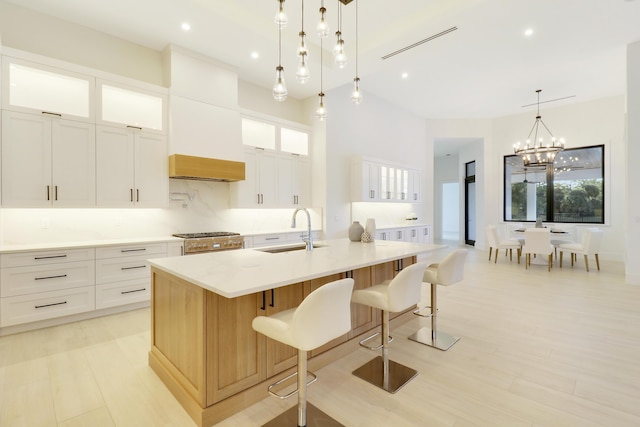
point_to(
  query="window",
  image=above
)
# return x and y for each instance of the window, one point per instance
(572, 190)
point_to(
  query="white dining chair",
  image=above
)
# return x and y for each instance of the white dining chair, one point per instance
(494, 242)
(561, 234)
(590, 245)
(537, 241)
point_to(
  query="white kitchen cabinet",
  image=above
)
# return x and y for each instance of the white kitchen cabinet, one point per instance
(47, 161)
(260, 187)
(294, 176)
(365, 181)
(377, 181)
(411, 235)
(126, 106)
(41, 285)
(132, 168)
(425, 234)
(123, 273)
(36, 88)
(175, 248)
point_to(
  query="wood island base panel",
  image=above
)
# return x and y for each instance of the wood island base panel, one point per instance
(205, 351)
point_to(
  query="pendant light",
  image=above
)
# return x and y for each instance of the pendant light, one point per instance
(356, 95)
(323, 27)
(321, 111)
(302, 74)
(280, 88)
(339, 56)
(281, 17)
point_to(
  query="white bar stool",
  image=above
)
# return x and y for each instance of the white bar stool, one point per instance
(394, 295)
(323, 315)
(448, 272)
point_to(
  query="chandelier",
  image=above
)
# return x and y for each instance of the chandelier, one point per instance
(538, 152)
(302, 51)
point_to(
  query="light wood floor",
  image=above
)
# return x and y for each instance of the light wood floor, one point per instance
(538, 348)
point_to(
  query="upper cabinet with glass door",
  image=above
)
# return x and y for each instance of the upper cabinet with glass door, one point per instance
(41, 89)
(377, 181)
(121, 106)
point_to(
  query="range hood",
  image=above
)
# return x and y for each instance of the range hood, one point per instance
(205, 169)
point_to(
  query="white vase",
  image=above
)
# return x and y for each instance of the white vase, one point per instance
(355, 231)
(370, 227)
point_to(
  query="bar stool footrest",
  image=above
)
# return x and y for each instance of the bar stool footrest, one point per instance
(442, 341)
(378, 347)
(373, 372)
(419, 311)
(315, 418)
(287, 378)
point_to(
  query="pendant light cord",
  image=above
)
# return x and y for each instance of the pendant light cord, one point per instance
(356, 38)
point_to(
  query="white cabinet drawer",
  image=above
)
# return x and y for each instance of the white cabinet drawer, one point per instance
(119, 269)
(147, 249)
(270, 240)
(20, 259)
(46, 305)
(29, 280)
(121, 293)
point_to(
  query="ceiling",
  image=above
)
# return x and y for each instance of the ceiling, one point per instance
(485, 68)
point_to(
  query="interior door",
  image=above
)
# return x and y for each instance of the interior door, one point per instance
(470, 203)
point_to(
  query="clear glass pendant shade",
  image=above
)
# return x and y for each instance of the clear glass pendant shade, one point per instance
(281, 18)
(302, 74)
(356, 95)
(321, 111)
(279, 88)
(323, 27)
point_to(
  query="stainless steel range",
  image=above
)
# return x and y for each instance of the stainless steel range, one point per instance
(196, 243)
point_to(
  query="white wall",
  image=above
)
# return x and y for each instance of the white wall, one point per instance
(632, 154)
(445, 170)
(375, 129)
(42, 34)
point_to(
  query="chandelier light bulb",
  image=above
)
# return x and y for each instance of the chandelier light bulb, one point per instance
(279, 88)
(356, 95)
(321, 111)
(323, 27)
(302, 74)
(281, 18)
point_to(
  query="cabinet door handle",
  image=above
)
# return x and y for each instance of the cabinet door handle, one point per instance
(132, 250)
(273, 299)
(56, 192)
(137, 194)
(52, 114)
(272, 238)
(264, 301)
(51, 277)
(50, 305)
(48, 192)
(134, 127)
(415, 196)
(130, 292)
(49, 257)
(131, 194)
(132, 268)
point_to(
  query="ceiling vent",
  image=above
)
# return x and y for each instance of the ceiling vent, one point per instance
(428, 39)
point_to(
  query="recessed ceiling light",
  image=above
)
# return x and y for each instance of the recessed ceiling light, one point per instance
(405, 75)
(185, 26)
(528, 32)
(255, 55)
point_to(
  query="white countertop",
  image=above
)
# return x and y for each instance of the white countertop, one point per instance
(247, 271)
(84, 244)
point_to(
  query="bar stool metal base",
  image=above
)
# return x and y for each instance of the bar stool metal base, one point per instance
(442, 340)
(373, 372)
(315, 418)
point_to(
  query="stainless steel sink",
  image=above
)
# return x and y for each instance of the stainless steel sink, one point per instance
(288, 248)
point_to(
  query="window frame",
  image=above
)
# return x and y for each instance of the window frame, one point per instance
(550, 183)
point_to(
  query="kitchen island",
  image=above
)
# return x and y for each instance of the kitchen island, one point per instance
(202, 344)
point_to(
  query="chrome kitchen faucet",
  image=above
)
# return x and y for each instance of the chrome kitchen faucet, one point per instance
(309, 240)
